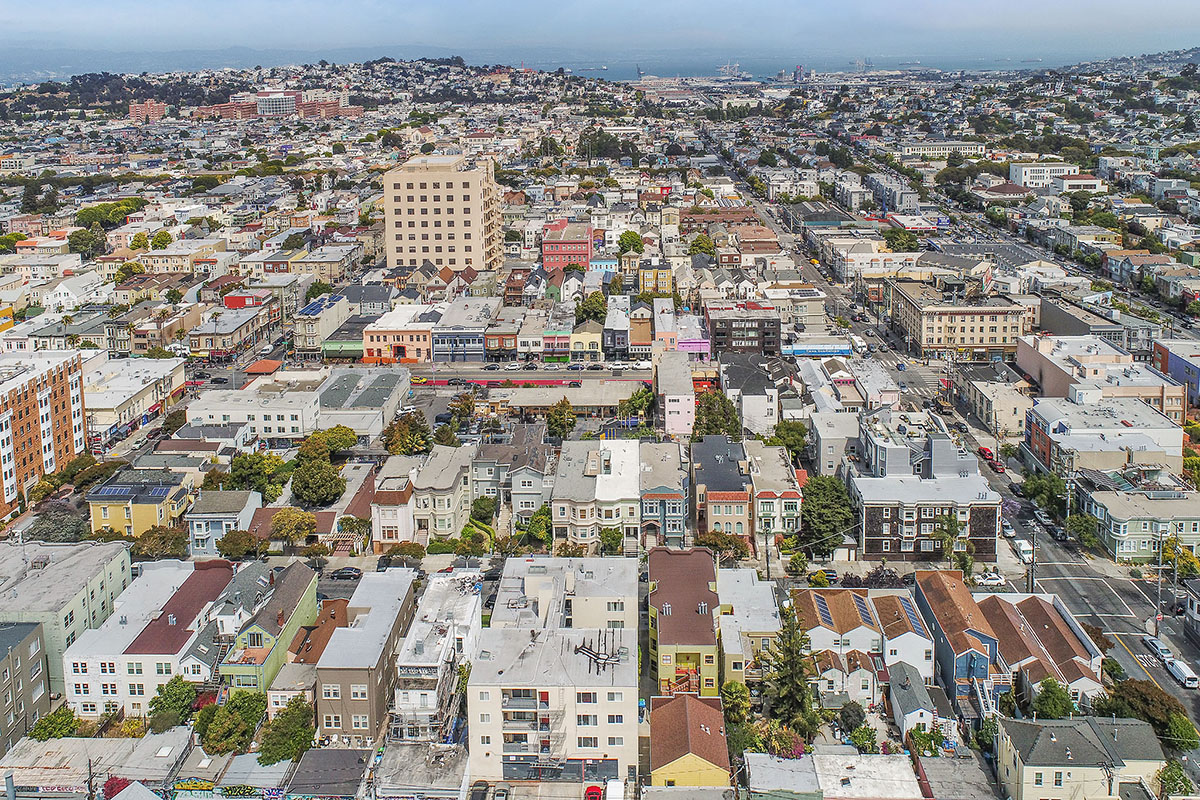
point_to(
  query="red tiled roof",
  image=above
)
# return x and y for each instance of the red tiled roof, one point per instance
(169, 631)
(264, 366)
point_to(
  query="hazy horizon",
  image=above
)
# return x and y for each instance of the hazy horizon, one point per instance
(137, 32)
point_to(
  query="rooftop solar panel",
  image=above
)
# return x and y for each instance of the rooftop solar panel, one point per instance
(823, 611)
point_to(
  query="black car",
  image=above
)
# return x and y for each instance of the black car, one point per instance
(1059, 535)
(595, 366)
(492, 367)
(383, 563)
(346, 574)
(1018, 490)
(575, 384)
(201, 374)
(456, 382)
(479, 790)
(961, 427)
(220, 380)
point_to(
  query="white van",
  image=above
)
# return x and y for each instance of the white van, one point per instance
(1024, 550)
(1182, 673)
(614, 790)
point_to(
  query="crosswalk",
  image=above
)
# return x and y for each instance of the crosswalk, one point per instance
(919, 391)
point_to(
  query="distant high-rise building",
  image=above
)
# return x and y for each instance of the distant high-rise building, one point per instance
(444, 209)
(149, 111)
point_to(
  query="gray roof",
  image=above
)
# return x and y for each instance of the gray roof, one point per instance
(330, 773)
(13, 633)
(908, 689)
(220, 502)
(717, 464)
(1084, 741)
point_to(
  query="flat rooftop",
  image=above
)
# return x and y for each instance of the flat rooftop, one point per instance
(549, 657)
(53, 574)
(450, 599)
(372, 611)
(133, 610)
(532, 589)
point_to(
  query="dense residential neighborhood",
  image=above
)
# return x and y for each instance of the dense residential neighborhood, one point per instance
(416, 429)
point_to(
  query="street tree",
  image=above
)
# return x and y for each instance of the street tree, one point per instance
(408, 435)
(444, 435)
(160, 240)
(237, 544)
(161, 541)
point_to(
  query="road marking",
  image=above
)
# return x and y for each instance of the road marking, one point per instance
(1121, 642)
(1090, 578)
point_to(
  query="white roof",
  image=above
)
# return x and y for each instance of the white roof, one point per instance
(373, 609)
(133, 610)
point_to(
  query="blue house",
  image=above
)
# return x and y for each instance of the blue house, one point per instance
(964, 644)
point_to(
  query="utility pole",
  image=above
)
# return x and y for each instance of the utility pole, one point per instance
(1158, 598)
(1030, 578)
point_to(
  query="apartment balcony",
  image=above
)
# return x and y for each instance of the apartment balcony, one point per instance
(519, 747)
(519, 703)
(519, 725)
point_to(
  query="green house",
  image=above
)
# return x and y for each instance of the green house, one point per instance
(260, 649)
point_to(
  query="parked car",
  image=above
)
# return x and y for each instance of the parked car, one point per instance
(643, 365)
(530, 367)
(456, 382)
(961, 427)
(595, 366)
(1042, 517)
(986, 454)
(1007, 529)
(551, 367)
(903, 386)
(492, 367)
(1018, 489)
(1155, 646)
(1058, 534)
(990, 579)
(479, 790)
(574, 384)
(575, 367)
(383, 563)
(512, 366)
(997, 466)
(346, 574)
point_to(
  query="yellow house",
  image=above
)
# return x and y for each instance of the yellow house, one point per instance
(135, 500)
(687, 742)
(585, 341)
(657, 278)
(6, 317)
(683, 631)
(1086, 757)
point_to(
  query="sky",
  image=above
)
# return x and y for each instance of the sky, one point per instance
(1058, 30)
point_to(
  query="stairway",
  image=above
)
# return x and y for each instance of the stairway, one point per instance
(504, 520)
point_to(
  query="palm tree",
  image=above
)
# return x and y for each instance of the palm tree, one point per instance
(72, 339)
(947, 529)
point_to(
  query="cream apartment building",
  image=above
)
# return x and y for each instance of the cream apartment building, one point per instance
(444, 209)
(596, 486)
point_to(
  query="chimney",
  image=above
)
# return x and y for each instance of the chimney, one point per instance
(279, 618)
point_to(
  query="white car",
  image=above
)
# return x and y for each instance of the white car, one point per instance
(616, 365)
(1007, 529)
(552, 367)
(990, 579)
(512, 366)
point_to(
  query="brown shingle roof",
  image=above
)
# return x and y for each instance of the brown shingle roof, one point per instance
(951, 603)
(683, 580)
(686, 724)
(842, 609)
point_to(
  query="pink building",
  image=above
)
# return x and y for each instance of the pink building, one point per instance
(149, 111)
(565, 243)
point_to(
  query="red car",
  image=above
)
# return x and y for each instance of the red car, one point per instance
(593, 793)
(996, 465)
(986, 454)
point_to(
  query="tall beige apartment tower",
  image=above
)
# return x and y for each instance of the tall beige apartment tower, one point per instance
(445, 209)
